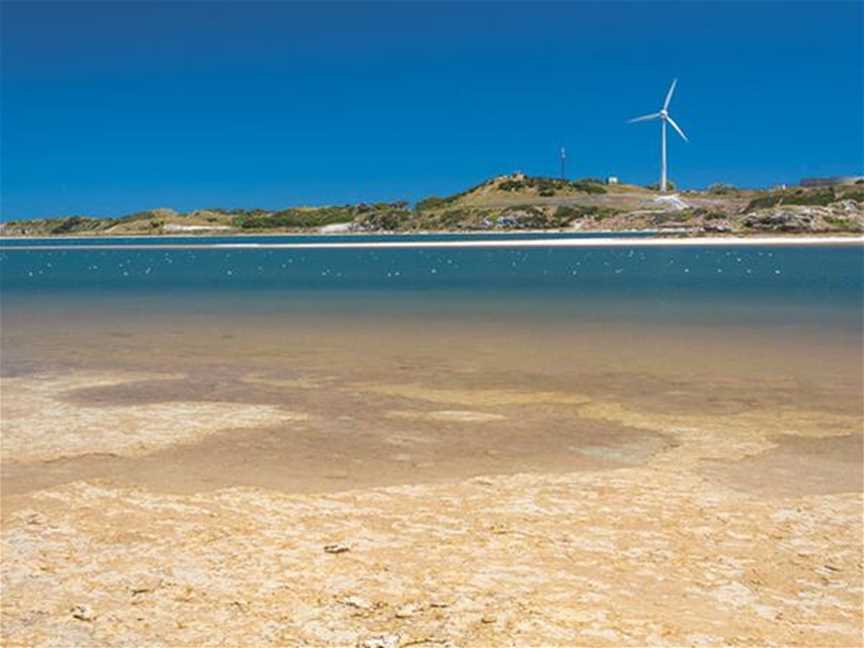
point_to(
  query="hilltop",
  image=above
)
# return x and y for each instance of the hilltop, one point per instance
(510, 202)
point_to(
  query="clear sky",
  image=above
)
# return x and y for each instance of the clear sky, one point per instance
(109, 108)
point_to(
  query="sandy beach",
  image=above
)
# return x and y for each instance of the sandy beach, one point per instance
(431, 324)
(507, 489)
(598, 242)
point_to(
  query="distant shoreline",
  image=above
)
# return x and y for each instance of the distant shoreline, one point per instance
(393, 233)
(503, 205)
(547, 242)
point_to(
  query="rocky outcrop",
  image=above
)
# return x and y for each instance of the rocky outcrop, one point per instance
(522, 218)
(718, 227)
(844, 215)
(784, 219)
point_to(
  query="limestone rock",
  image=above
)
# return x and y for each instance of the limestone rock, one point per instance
(781, 219)
(336, 548)
(407, 611)
(83, 613)
(357, 602)
(380, 641)
(843, 215)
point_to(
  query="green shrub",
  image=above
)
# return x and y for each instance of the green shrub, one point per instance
(432, 202)
(75, 224)
(549, 186)
(238, 211)
(567, 213)
(763, 202)
(722, 188)
(842, 223)
(800, 197)
(296, 218)
(705, 214)
(588, 187)
(386, 216)
(670, 186)
(820, 197)
(136, 216)
(512, 185)
(388, 219)
(602, 213)
(857, 196)
(546, 185)
(454, 218)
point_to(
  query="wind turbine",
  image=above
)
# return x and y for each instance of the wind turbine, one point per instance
(664, 117)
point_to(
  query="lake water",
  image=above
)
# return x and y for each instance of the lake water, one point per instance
(659, 329)
(819, 285)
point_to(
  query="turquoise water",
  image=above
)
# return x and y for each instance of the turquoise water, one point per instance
(336, 332)
(653, 323)
(788, 284)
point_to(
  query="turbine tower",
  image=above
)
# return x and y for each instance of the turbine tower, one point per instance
(664, 117)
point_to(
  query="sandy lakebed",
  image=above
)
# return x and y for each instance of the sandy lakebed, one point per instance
(378, 469)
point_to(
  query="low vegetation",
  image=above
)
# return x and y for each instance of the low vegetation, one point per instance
(510, 202)
(382, 215)
(436, 202)
(566, 214)
(433, 202)
(294, 218)
(722, 189)
(841, 223)
(75, 224)
(820, 197)
(670, 186)
(857, 196)
(550, 186)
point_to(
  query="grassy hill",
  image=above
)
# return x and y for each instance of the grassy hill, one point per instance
(509, 202)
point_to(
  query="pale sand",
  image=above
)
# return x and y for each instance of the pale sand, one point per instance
(668, 550)
(37, 424)
(506, 243)
(163, 484)
(634, 557)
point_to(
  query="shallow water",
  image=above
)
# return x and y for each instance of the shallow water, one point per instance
(396, 356)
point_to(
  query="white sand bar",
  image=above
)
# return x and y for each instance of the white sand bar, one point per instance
(499, 243)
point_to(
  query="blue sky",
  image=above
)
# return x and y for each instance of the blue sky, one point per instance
(108, 108)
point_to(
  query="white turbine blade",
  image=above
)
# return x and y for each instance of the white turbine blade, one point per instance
(643, 118)
(676, 127)
(669, 94)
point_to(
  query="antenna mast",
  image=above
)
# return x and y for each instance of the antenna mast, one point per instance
(563, 163)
